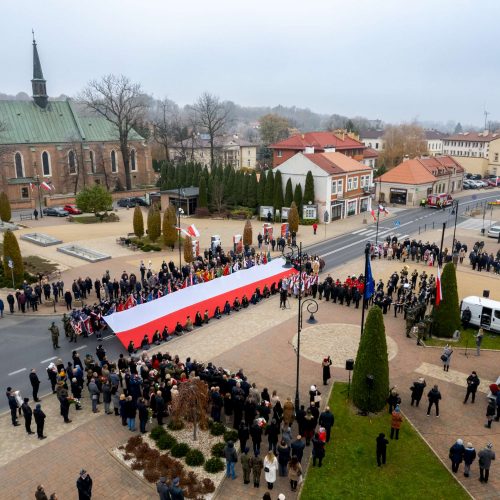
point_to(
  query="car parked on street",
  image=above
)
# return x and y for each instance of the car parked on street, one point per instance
(55, 212)
(494, 231)
(72, 209)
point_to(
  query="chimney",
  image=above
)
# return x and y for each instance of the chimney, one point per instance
(406, 158)
(309, 150)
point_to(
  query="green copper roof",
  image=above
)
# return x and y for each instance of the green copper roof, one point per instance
(26, 123)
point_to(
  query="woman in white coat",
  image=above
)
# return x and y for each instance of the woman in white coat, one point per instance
(270, 468)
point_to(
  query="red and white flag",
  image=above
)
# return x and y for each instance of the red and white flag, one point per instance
(47, 186)
(183, 231)
(192, 231)
(381, 208)
(131, 302)
(32, 186)
(439, 292)
(373, 215)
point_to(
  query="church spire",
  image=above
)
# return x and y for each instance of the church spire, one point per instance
(38, 83)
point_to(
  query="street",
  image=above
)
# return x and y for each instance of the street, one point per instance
(26, 341)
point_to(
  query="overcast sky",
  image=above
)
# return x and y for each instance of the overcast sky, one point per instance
(395, 60)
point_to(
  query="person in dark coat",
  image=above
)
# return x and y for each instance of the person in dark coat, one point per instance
(433, 396)
(176, 492)
(284, 456)
(417, 391)
(243, 434)
(382, 443)
(256, 434)
(231, 458)
(142, 409)
(297, 448)
(160, 407)
(457, 454)
(472, 385)
(469, 457)
(163, 489)
(272, 433)
(84, 486)
(27, 413)
(39, 416)
(326, 420)
(318, 452)
(327, 362)
(12, 406)
(64, 404)
(35, 384)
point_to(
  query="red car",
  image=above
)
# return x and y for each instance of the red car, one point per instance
(71, 209)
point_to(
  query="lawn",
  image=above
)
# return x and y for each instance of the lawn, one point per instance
(350, 468)
(490, 340)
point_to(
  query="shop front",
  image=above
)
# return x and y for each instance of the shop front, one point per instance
(398, 196)
(337, 210)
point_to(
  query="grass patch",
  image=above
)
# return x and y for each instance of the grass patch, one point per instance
(92, 219)
(34, 265)
(490, 340)
(350, 467)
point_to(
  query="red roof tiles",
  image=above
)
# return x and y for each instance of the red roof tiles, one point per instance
(318, 140)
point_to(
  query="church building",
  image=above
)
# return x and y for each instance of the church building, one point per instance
(57, 144)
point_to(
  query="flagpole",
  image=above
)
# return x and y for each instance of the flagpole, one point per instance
(367, 256)
(378, 217)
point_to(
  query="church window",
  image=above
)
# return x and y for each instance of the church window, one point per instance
(46, 170)
(72, 162)
(133, 162)
(92, 162)
(18, 159)
(114, 167)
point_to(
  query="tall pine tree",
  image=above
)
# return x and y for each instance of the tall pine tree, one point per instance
(261, 191)
(309, 188)
(297, 196)
(203, 198)
(269, 192)
(252, 191)
(288, 193)
(278, 192)
(244, 187)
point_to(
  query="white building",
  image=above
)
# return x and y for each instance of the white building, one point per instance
(434, 140)
(372, 139)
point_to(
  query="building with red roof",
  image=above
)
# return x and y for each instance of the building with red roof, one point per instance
(317, 142)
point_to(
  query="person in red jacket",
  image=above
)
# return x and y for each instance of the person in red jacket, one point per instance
(315, 227)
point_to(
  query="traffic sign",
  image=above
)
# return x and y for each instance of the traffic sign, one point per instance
(397, 223)
(10, 263)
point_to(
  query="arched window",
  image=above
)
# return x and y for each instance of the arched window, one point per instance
(133, 162)
(92, 162)
(19, 163)
(114, 166)
(72, 162)
(46, 169)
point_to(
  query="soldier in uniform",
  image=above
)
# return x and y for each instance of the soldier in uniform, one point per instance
(54, 331)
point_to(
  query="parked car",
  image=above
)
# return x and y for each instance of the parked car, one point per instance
(55, 212)
(127, 202)
(140, 201)
(494, 231)
(494, 181)
(72, 209)
(475, 184)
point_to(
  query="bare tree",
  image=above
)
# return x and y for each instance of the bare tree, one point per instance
(165, 124)
(122, 103)
(212, 116)
(400, 141)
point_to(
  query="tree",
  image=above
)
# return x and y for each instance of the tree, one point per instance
(293, 218)
(297, 196)
(400, 141)
(154, 223)
(94, 199)
(278, 191)
(123, 104)
(212, 116)
(12, 252)
(5, 210)
(252, 191)
(447, 313)
(218, 196)
(170, 235)
(191, 404)
(164, 124)
(203, 200)
(269, 191)
(261, 189)
(273, 128)
(458, 128)
(371, 359)
(188, 249)
(309, 188)
(288, 193)
(247, 233)
(138, 222)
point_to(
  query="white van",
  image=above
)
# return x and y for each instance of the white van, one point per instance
(484, 312)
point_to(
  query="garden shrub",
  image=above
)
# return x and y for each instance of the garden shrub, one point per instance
(218, 450)
(217, 429)
(214, 465)
(179, 450)
(231, 435)
(176, 425)
(157, 432)
(166, 441)
(194, 457)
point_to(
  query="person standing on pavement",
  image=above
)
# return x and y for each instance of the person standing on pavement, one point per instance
(417, 391)
(64, 404)
(176, 492)
(318, 452)
(326, 420)
(434, 397)
(94, 394)
(39, 416)
(245, 465)
(469, 457)
(294, 473)
(382, 443)
(11, 301)
(457, 454)
(256, 464)
(231, 459)
(35, 384)
(40, 493)
(315, 228)
(270, 468)
(446, 357)
(479, 340)
(163, 489)
(54, 332)
(486, 455)
(297, 448)
(84, 486)
(28, 414)
(490, 413)
(472, 385)
(327, 362)
(11, 398)
(2, 307)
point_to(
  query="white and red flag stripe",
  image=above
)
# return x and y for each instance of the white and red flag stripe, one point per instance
(439, 292)
(192, 231)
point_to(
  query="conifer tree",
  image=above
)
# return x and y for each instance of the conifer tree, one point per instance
(188, 249)
(244, 190)
(12, 252)
(203, 198)
(5, 210)
(288, 193)
(261, 191)
(269, 192)
(447, 313)
(309, 188)
(293, 218)
(252, 191)
(170, 235)
(371, 359)
(154, 223)
(278, 191)
(247, 233)
(297, 196)
(138, 222)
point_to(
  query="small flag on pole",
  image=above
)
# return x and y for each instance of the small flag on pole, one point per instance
(192, 231)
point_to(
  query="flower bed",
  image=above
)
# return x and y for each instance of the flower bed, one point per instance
(145, 458)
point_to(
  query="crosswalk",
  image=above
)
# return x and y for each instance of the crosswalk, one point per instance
(382, 233)
(476, 224)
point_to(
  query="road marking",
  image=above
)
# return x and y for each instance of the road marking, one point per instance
(17, 371)
(358, 231)
(80, 348)
(47, 360)
(108, 337)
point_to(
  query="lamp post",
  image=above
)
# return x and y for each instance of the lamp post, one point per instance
(37, 182)
(367, 256)
(179, 213)
(455, 211)
(440, 258)
(311, 306)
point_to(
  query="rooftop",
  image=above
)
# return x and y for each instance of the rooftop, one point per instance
(202, 141)
(318, 140)
(371, 134)
(485, 136)
(336, 163)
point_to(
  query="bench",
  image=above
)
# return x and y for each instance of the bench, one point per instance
(26, 216)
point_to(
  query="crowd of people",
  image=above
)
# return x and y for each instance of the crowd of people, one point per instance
(481, 260)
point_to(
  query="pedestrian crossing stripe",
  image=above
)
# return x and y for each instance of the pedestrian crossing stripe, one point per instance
(476, 224)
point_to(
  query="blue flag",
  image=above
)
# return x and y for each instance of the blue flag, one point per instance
(369, 281)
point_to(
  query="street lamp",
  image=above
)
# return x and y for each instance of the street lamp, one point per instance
(294, 252)
(180, 211)
(454, 210)
(37, 182)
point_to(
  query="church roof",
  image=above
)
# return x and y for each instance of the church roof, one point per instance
(26, 123)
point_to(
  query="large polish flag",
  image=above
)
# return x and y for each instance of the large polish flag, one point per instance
(134, 323)
(439, 292)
